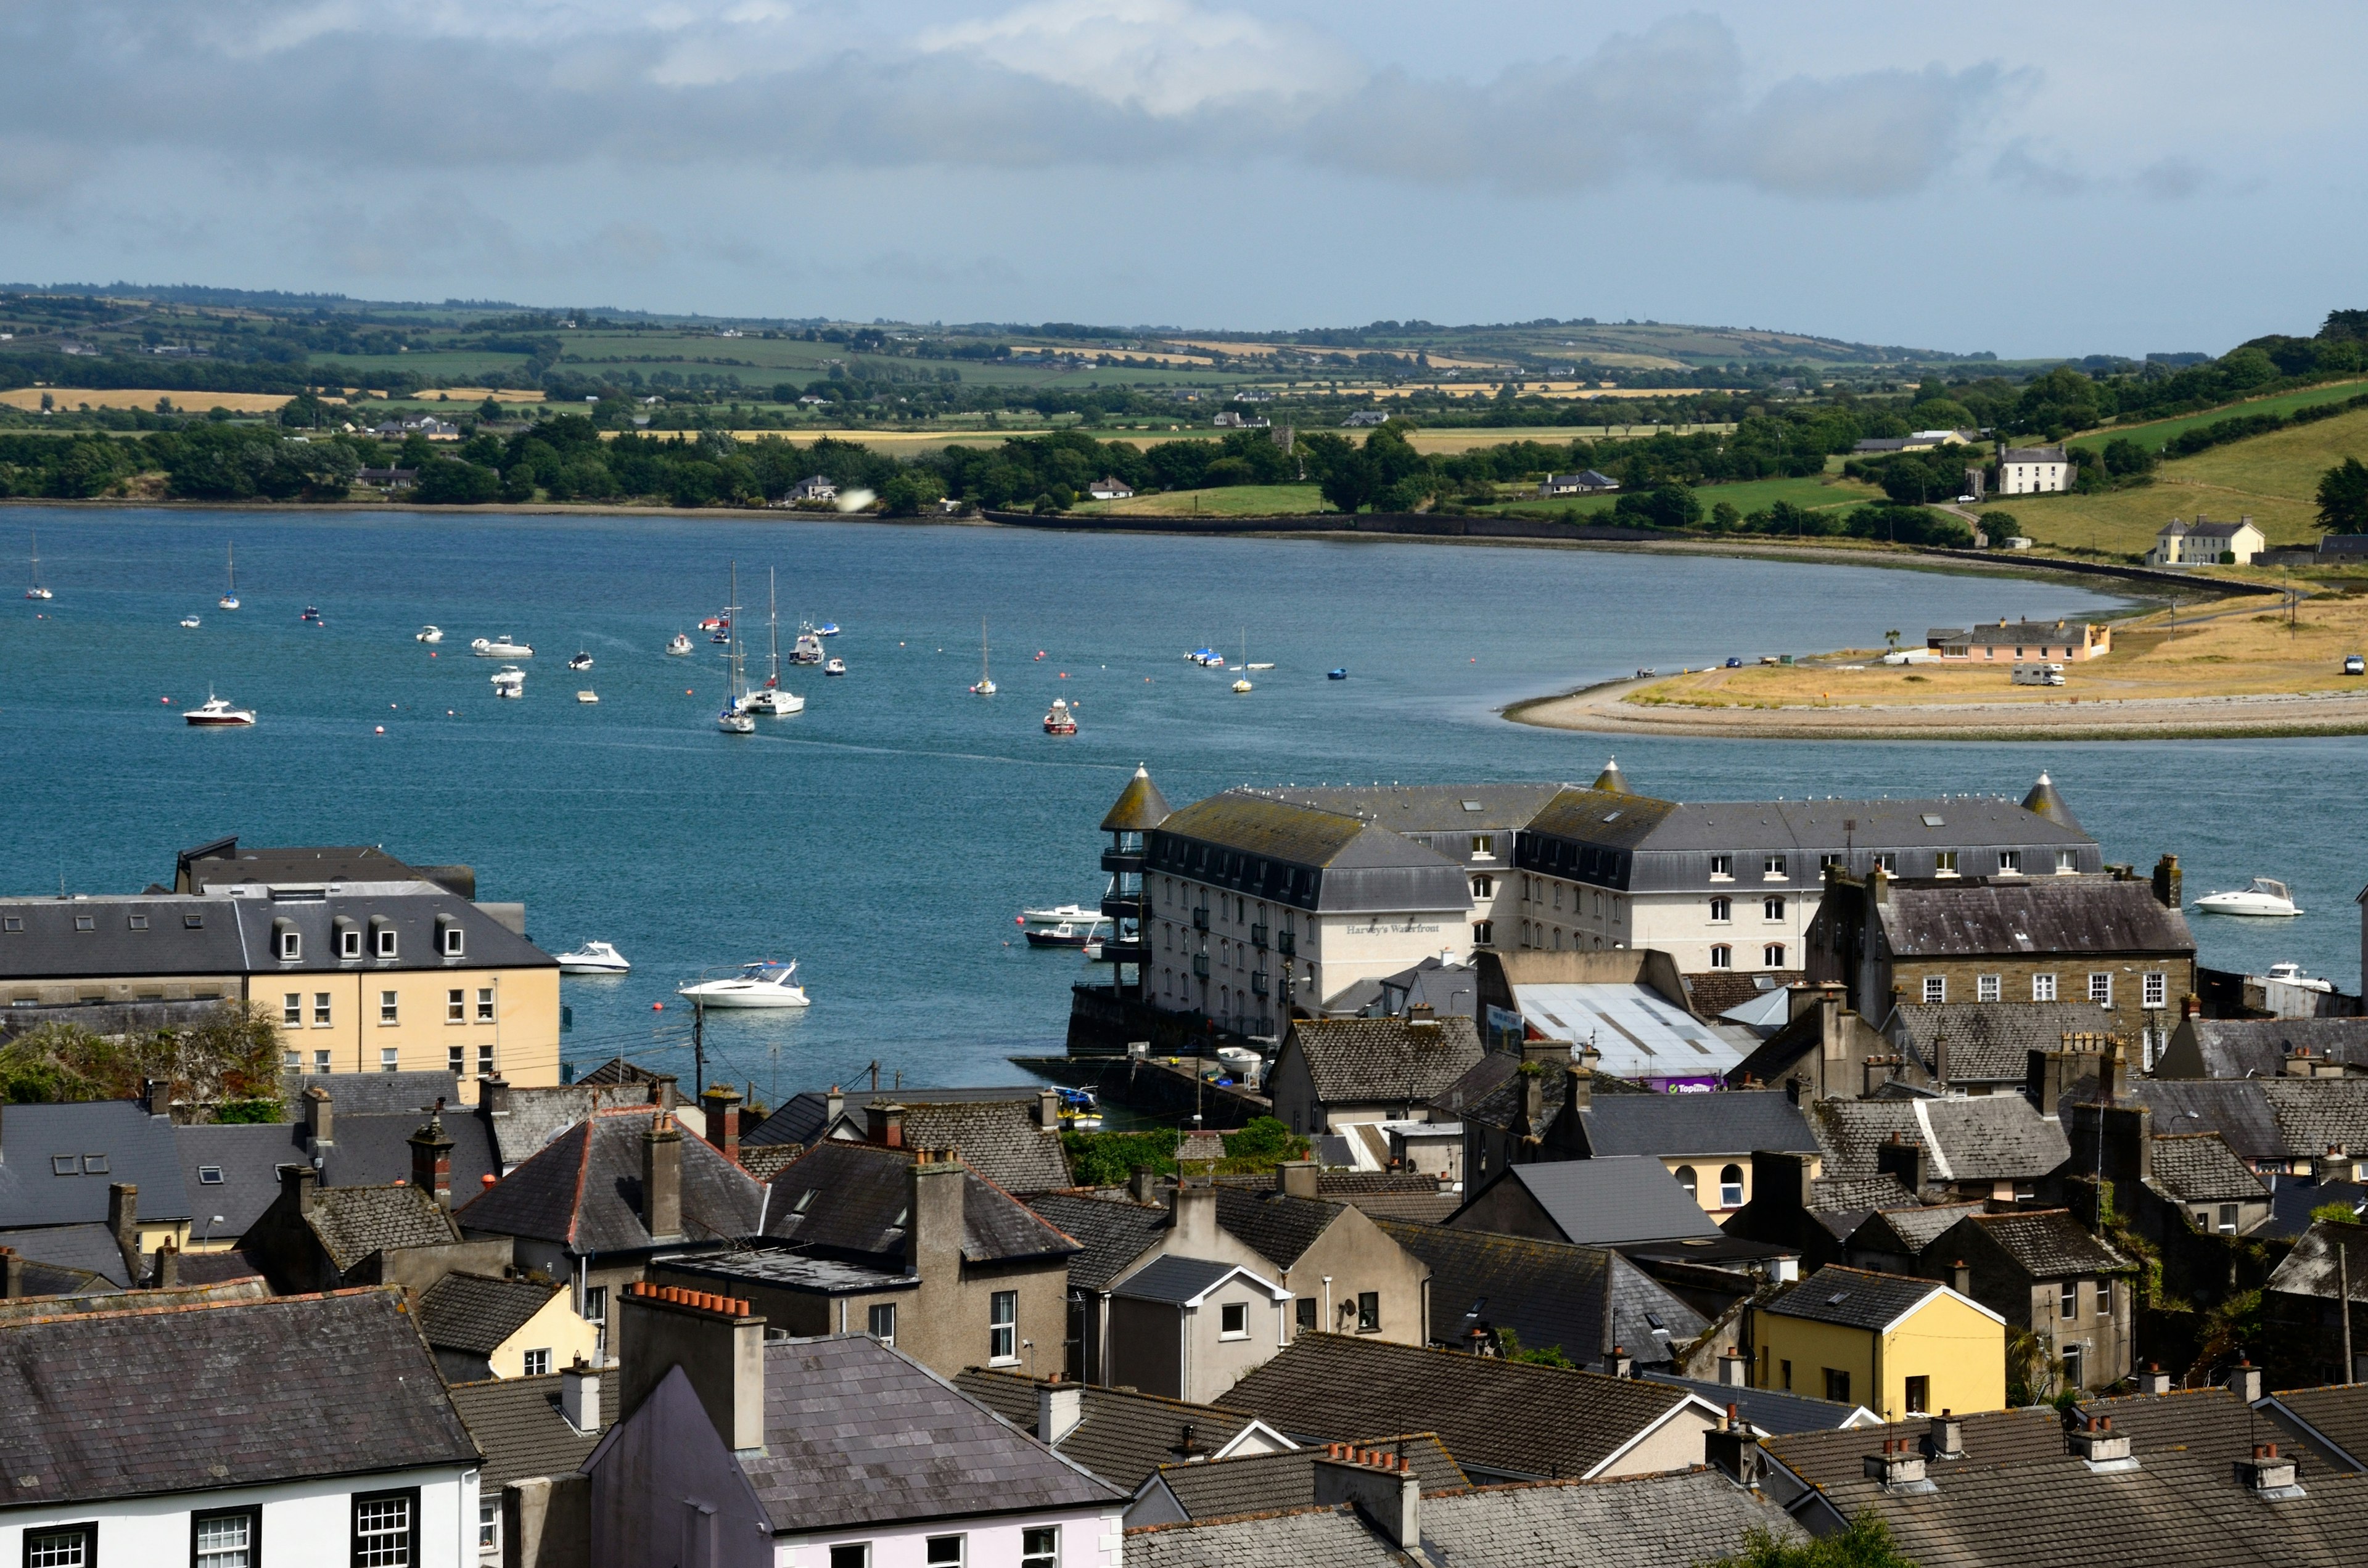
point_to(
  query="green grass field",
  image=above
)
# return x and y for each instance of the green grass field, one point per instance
(2274, 479)
(1231, 501)
(2154, 435)
(1746, 497)
(453, 365)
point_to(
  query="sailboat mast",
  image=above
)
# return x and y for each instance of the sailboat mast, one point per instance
(773, 616)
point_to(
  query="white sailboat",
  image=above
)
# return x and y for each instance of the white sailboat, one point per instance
(1242, 684)
(733, 720)
(230, 585)
(773, 698)
(985, 687)
(36, 591)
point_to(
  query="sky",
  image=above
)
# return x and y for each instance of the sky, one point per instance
(2023, 178)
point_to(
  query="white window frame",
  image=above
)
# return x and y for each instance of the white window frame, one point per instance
(323, 1009)
(485, 994)
(1003, 1328)
(1936, 988)
(1730, 1193)
(390, 1006)
(956, 1552)
(455, 942)
(1721, 868)
(1228, 1314)
(2100, 987)
(387, 942)
(1989, 987)
(879, 1315)
(489, 1522)
(1722, 912)
(1772, 907)
(1040, 1546)
(2154, 990)
(349, 943)
(218, 1553)
(390, 1059)
(2043, 988)
(537, 1362)
(2067, 862)
(1772, 955)
(1771, 868)
(1722, 956)
(2010, 862)
(456, 1005)
(291, 1009)
(291, 946)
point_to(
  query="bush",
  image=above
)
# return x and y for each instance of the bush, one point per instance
(1663, 506)
(443, 482)
(1107, 1159)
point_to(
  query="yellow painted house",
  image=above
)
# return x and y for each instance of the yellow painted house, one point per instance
(1897, 1345)
(482, 1326)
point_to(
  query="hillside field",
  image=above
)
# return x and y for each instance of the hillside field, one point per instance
(2154, 436)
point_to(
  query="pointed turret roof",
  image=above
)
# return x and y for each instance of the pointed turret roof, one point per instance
(1612, 781)
(2043, 801)
(1140, 806)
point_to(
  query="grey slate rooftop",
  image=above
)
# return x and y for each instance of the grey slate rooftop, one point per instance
(2257, 1048)
(1989, 1043)
(1606, 1202)
(1852, 1298)
(2199, 1167)
(1731, 1122)
(1122, 1435)
(1279, 1227)
(2048, 1243)
(2262, 1118)
(352, 1223)
(1978, 916)
(584, 1188)
(857, 1434)
(795, 1270)
(1981, 1137)
(75, 1260)
(1176, 1281)
(103, 1405)
(1301, 1538)
(232, 1169)
(57, 1162)
(517, 1422)
(1256, 1483)
(851, 1197)
(1774, 1412)
(1112, 1232)
(1352, 1060)
(477, 1313)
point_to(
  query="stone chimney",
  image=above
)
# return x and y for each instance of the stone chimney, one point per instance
(1059, 1407)
(579, 1396)
(717, 1342)
(1546, 1053)
(2266, 1474)
(1193, 1205)
(494, 1096)
(1382, 1485)
(1903, 1160)
(2245, 1382)
(1143, 1185)
(1621, 1364)
(721, 1104)
(1900, 1467)
(123, 1220)
(1533, 1095)
(320, 1130)
(1946, 1439)
(11, 1274)
(1734, 1368)
(298, 1185)
(2100, 1446)
(2167, 883)
(661, 1178)
(1878, 887)
(1732, 1450)
(834, 1105)
(663, 1092)
(2191, 1005)
(2154, 1382)
(1296, 1178)
(933, 1230)
(1961, 1279)
(1578, 1088)
(167, 1272)
(1048, 1109)
(431, 1158)
(884, 1124)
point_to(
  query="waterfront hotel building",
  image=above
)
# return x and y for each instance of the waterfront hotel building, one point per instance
(1256, 906)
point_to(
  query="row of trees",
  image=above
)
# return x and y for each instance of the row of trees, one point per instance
(228, 1064)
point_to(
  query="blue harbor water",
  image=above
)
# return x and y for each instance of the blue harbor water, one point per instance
(886, 836)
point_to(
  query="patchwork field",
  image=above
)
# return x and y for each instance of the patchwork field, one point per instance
(2156, 433)
(29, 399)
(1230, 501)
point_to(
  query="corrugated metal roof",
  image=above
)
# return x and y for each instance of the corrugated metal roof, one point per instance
(1640, 1034)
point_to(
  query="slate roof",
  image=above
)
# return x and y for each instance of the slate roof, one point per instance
(2291, 1203)
(1730, 1121)
(223, 934)
(2257, 1048)
(1303, 1538)
(1989, 1043)
(1257, 1483)
(376, 1094)
(537, 1116)
(1675, 1520)
(1979, 1138)
(584, 1188)
(1852, 1298)
(2048, 1243)
(766, 1161)
(57, 1162)
(477, 1313)
(2312, 1267)
(1771, 1411)
(2337, 1415)
(1140, 807)
(1482, 1078)
(2199, 1167)
(2262, 1118)
(233, 1170)
(1843, 1194)
(1121, 1435)
(1606, 1202)
(351, 1223)
(1909, 1230)
(517, 1422)
(856, 1433)
(1510, 1417)
(2072, 915)
(1304, 857)
(1109, 1232)
(854, 1198)
(805, 1116)
(1276, 1226)
(67, 1251)
(999, 1139)
(1352, 1060)
(1176, 1281)
(109, 1405)
(1585, 1300)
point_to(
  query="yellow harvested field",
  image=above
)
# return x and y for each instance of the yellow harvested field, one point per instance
(145, 397)
(472, 394)
(1575, 390)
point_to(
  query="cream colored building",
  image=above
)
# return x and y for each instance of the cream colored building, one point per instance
(2202, 543)
(2034, 470)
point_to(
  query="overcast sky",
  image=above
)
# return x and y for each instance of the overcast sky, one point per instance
(2027, 178)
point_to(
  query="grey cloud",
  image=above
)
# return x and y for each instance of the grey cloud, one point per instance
(2174, 178)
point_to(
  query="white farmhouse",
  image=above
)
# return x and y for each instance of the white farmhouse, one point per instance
(2034, 470)
(2205, 543)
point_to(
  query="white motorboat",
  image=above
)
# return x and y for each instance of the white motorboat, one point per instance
(763, 985)
(681, 646)
(772, 697)
(834, 668)
(428, 634)
(582, 661)
(588, 695)
(216, 713)
(985, 687)
(500, 647)
(230, 584)
(594, 958)
(509, 681)
(807, 649)
(734, 719)
(2292, 974)
(2267, 896)
(190, 621)
(34, 590)
(1060, 915)
(1060, 719)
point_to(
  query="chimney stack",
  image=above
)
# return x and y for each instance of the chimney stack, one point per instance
(2245, 1382)
(1143, 1185)
(320, 1128)
(1903, 1160)
(2191, 1005)
(1947, 1438)
(1899, 1467)
(298, 1183)
(2103, 1447)
(2167, 883)
(167, 1272)
(1193, 1205)
(123, 1219)
(1734, 1368)
(2268, 1474)
(834, 1105)
(722, 1105)
(1533, 1095)
(663, 1092)
(1048, 1109)
(1381, 1486)
(884, 1124)
(2154, 1382)
(494, 1096)
(1578, 1088)
(717, 1342)
(1732, 1450)
(933, 1231)
(1621, 1364)
(431, 1158)
(1296, 1178)
(579, 1396)
(1059, 1407)
(1961, 1279)
(11, 1274)
(661, 1178)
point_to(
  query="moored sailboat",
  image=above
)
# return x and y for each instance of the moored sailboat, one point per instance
(772, 697)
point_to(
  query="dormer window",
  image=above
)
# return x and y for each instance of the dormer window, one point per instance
(1771, 868)
(1721, 867)
(291, 946)
(85, 923)
(139, 923)
(349, 944)
(386, 941)
(452, 941)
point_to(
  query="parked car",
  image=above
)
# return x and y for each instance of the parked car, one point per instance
(2353, 664)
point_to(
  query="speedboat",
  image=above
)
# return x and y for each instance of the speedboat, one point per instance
(509, 681)
(428, 634)
(594, 958)
(1335, 675)
(1067, 934)
(1079, 1109)
(807, 649)
(1060, 720)
(501, 647)
(216, 713)
(1058, 914)
(716, 623)
(588, 695)
(2292, 974)
(190, 621)
(834, 668)
(582, 661)
(756, 985)
(679, 646)
(2265, 897)
(827, 629)
(312, 613)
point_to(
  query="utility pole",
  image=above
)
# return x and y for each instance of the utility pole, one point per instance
(698, 1049)
(2343, 1284)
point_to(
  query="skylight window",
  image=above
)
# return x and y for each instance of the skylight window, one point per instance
(210, 1175)
(1472, 806)
(1931, 821)
(1612, 817)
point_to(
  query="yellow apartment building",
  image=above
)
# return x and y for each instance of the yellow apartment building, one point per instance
(1900, 1346)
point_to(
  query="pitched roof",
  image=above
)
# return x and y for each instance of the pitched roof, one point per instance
(232, 1169)
(1384, 1059)
(1674, 1520)
(517, 1422)
(57, 1162)
(999, 1139)
(2048, 1243)
(1510, 1417)
(1176, 1281)
(1605, 1203)
(1305, 1537)
(1257, 1483)
(2338, 1415)
(2257, 1048)
(2312, 1267)
(1583, 1300)
(584, 1188)
(1479, 1081)
(2199, 1167)
(1277, 1227)
(1854, 1298)
(351, 1223)
(856, 1433)
(1305, 857)
(1979, 1138)
(1140, 807)
(109, 1405)
(1121, 1435)
(536, 1115)
(1730, 1121)
(477, 1313)
(1772, 1410)
(1109, 1232)
(852, 1198)
(2070, 915)
(1910, 1229)
(1989, 1043)
(66, 1253)
(2262, 1118)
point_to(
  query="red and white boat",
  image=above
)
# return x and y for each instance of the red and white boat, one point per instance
(1060, 719)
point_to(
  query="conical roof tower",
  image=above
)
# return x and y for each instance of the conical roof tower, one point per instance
(1140, 806)
(2044, 801)
(1612, 781)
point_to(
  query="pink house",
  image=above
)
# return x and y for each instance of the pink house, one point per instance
(2012, 641)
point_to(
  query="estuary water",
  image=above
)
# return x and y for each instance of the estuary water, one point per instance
(886, 836)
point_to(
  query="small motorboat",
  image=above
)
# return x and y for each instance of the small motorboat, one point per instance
(756, 985)
(1060, 720)
(216, 713)
(1058, 914)
(834, 668)
(807, 649)
(190, 621)
(723, 636)
(1067, 934)
(827, 629)
(716, 623)
(2292, 974)
(588, 695)
(509, 681)
(1079, 1109)
(594, 958)
(312, 614)
(1335, 675)
(582, 661)
(502, 647)
(679, 646)
(428, 634)
(2267, 896)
